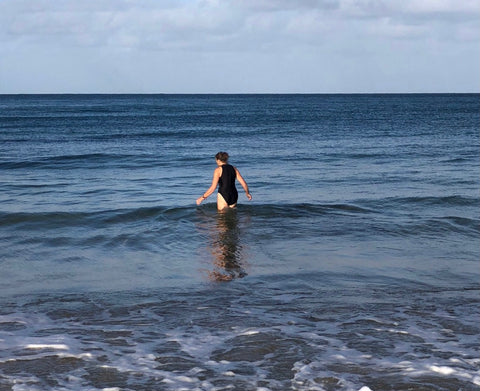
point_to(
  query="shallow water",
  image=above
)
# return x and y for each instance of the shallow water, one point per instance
(309, 332)
(355, 265)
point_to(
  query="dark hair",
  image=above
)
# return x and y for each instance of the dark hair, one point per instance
(222, 156)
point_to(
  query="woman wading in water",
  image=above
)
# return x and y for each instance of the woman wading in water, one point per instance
(224, 176)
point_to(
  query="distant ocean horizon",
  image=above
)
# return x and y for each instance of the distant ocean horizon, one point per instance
(230, 93)
(355, 265)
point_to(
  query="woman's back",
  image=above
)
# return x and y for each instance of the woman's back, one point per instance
(226, 184)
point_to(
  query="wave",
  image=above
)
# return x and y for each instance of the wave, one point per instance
(395, 202)
(119, 216)
(81, 161)
(453, 224)
(68, 219)
(432, 228)
(319, 218)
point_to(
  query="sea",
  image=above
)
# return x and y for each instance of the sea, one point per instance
(354, 267)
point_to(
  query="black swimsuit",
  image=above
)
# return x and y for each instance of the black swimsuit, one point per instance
(226, 184)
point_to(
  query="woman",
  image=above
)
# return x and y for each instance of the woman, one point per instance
(224, 176)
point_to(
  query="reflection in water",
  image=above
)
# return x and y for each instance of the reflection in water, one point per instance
(225, 246)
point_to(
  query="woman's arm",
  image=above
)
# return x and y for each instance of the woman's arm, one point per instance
(244, 184)
(216, 176)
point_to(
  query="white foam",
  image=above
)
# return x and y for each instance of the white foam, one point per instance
(5, 319)
(442, 370)
(201, 341)
(196, 344)
(185, 379)
(80, 356)
(476, 380)
(250, 332)
(413, 370)
(394, 331)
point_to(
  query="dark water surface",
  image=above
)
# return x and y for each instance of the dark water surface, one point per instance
(355, 265)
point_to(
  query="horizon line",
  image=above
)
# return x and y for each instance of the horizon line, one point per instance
(238, 93)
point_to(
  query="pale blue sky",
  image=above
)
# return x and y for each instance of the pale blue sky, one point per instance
(243, 46)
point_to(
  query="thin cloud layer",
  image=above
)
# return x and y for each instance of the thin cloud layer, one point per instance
(165, 24)
(250, 30)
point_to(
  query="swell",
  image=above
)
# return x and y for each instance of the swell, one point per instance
(75, 219)
(294, 219)
(81, 161)
(60, 219)
(440, 226)
(423, 201)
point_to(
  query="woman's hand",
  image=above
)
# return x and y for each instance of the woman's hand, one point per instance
(199, 200)
(249, 196)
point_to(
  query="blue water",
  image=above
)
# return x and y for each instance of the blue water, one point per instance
(355, 265)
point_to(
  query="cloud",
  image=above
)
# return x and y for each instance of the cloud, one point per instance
(248, 42)
(223, 25)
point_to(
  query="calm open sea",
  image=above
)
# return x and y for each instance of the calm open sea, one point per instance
(355, 266)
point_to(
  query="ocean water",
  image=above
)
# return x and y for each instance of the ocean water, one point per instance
(354, 267)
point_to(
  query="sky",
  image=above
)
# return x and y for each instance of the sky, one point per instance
(239, 46)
